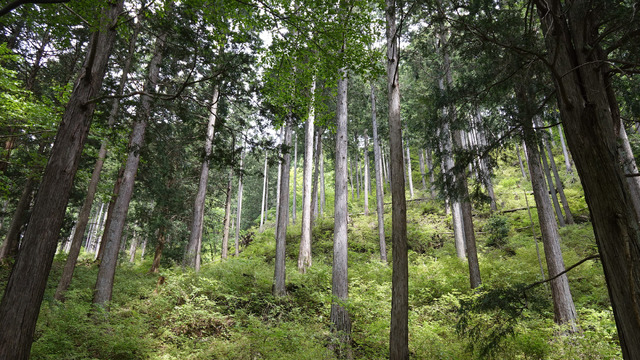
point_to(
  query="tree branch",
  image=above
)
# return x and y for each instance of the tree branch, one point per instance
(11, 6)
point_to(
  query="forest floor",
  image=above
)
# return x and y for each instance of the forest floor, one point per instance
(227, 310)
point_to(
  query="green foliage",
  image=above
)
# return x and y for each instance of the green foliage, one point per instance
(498, 228)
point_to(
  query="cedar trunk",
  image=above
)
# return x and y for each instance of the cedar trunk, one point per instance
(304, 256)
(399, 335)
(279, 288)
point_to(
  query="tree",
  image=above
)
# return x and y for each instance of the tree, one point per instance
(399, 336)
(25, 288)
(377, 158)
(113, 234)
(279, 285)
(195, 238)
(304, 257)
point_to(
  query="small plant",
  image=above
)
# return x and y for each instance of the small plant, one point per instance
(498, 228)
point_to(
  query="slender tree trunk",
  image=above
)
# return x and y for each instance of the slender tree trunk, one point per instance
(409, 172)
(422, 174)
(629, 167)
(340, 319)
(350, 170)
(565, 153)
(563, 307)
(295, 179)
(366, 175)
(432, 175)
(524, 174)
(316, 174)
(552, 189)
(559, 186)
(144, 248)
(195, 237)
(322, 191)
(358, 181)
(279, 288)
(379, 181)
(399, 336)
(239, 207)
(106, 273)
(263, 207)
(227, 219)
(25, 287)
(278, 184)
(304, 257)
(9, 248)
(133, 247)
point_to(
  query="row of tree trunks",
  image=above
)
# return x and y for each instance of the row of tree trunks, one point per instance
(25, 288)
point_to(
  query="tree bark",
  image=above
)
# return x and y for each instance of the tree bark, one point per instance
(322, 191)
(279, 286)
(340, 319)
(552, 189)
(422, 172)
(409, 172)
(294, 207)
(304, 256)
(155, 265)
(377, 156)
(239, 207)
(366, 175)
(195, 237)
(113, 234)
(227, 219)
(524, 174)
(9, 248)
(263, 207)
(133, 247)
(316, 174)
(399, 335)
(25, 288)
(629, 167)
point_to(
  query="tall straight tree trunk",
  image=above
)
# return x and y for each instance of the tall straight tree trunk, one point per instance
(524, 174)
(629, 167)
(322, 191)
(133, 248)
(316, 174)
(409, 172)
(565, 153)
(263, 207)
(552, 189)
(195, 237)
(422, 174)
(559, 186)
(366, 175)
(304, 256)
(9, 248)
(25, 287)
(294, 207)
(357, 171)
(113, 234)
(399, 335)
(227, 219)
(563, 307)
(469, 233)
(279, 287)
(340, 319)
(279, 181)
(239, 207)
(432, 175)
(377, 155)
(350, 173)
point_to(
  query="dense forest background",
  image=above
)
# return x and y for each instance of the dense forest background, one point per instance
(313, 180)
